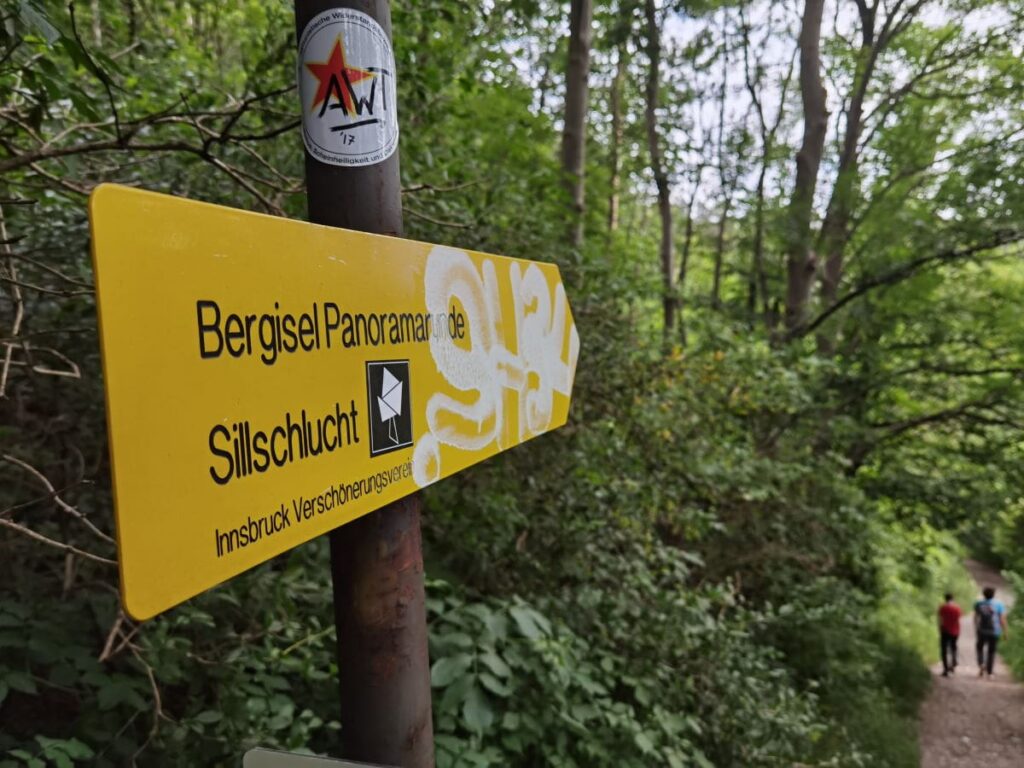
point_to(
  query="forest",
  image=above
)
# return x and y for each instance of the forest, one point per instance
(791, 235)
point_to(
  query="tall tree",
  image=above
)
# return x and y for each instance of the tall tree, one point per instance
(726, 177)
(615, 151)
(653, 34)
(574, 134)
(801, 260)
(835, 228)
(684, 257)
(753, 67)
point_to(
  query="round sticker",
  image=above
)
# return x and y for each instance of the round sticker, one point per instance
(347, 87)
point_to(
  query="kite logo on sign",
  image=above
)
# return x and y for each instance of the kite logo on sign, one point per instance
(347, 86)
(387, 395)
(389, 401)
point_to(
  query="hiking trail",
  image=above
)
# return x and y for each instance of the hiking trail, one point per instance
(968, 721)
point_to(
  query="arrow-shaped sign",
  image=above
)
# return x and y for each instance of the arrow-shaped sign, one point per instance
(237, 353)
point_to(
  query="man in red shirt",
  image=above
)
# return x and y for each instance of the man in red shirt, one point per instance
(949, 631)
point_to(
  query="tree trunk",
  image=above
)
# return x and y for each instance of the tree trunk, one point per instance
(758, 281)
(615, 181)
(658, 169)
(716, 283)
(724, 183)
(574, 134)
(801, 260)
(97, 23)
(684, 259)
(133, 29)
(835, 227)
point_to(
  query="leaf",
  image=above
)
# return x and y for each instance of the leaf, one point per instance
(60, 751)
(495, 663)
(30, 760)
(119, 692)
(76, 749)
(494, 685)
(497, 625)
(276, 682)
(643, 741)
(455, 694)
(21, 681)
(584, 712)
(530, 623)
(435, 605)
(477, 711)
(280, 721)
(459, 639)
(36, 18)
(445, 671)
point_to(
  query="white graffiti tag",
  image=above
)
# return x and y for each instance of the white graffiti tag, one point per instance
(542, 333)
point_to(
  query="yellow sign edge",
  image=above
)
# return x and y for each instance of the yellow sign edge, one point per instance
(95, 200)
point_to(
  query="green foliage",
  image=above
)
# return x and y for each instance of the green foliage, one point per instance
(916, 568)
(265, 648)
(517, 689)
(732, 554)
(1012, 648)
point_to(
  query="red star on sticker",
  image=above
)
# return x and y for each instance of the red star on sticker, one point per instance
(337, 67)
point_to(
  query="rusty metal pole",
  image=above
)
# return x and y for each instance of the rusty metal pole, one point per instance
(379, 612)
(376, 561)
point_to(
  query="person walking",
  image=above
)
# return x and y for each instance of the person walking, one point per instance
(949, 633)
(989, 626)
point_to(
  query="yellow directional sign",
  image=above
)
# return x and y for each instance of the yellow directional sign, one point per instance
(268, 380)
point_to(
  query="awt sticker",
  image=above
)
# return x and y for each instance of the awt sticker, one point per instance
(347, 86)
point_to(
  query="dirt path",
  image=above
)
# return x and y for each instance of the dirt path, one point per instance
(967, 721)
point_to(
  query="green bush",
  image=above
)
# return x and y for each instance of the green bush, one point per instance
(1012, 648)
(733, 552)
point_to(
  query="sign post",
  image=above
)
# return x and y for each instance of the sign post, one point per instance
(353, 182)
(269, 381)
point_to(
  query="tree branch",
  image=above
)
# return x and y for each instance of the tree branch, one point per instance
(904, 271)
(53, 542)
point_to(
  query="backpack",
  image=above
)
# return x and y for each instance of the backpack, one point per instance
(986, 618)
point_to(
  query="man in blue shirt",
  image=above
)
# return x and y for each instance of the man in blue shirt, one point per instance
(989, 626)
